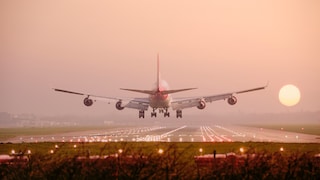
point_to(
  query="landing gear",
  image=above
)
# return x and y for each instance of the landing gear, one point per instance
(141, 114)
(153, 113)
(166, 114)
(179, 114)
(161, 110)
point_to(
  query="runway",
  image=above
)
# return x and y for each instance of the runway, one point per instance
(180, 133)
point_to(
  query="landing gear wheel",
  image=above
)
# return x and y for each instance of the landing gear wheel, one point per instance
(153, 114)
(166, 114)
(141, 114)
(179, 114)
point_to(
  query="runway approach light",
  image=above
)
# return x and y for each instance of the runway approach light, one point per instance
(241, 149)
(29, 151)
(160, 151)
(281, 149)
(56, 146)
(75, 146)
(13, 151)
(120, 151)
(200, 150)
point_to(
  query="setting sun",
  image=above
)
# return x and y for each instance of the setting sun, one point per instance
(289, 95)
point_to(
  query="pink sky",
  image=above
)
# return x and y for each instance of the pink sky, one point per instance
(100, 46)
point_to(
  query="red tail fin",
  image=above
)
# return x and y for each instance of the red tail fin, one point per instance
(158, 73)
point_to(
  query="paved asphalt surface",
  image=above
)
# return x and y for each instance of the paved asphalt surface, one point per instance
(179, 133)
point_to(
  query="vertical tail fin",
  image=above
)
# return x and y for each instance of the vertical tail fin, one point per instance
(158, 73)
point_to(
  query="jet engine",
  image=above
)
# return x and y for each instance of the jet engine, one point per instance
(202, 104)
(87, 101)
(118, 105)
(232, 100)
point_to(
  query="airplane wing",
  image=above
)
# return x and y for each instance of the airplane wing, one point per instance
(179, 104)
(134, 103)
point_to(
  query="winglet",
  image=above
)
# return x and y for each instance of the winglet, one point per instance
(266, 85)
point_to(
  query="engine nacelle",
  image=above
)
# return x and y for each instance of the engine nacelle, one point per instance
(232, 100)
(202, 104)
(118, 105)
(87, 101)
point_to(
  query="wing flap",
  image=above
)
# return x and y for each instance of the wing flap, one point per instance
(137, 105)
(183, 104)
(217, 97)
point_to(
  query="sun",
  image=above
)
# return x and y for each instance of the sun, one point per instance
(289, 95)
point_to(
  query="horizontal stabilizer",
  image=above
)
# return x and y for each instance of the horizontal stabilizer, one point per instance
(177, 90)
(154, 92)
(140, 91)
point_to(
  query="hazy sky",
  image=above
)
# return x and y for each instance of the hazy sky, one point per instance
(101, 46)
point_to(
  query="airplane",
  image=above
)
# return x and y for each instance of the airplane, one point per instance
(160, 99)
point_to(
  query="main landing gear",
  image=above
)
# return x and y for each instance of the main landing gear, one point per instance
(141, 114)
(179, 113)
(166, 114)
(153, 114)
(164, 111)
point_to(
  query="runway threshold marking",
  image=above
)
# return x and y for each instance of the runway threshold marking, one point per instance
(203, 137)
(220, 137)
(170, 132)
(159, 137)
(206, 130)
(214, 134)
(230, 131)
